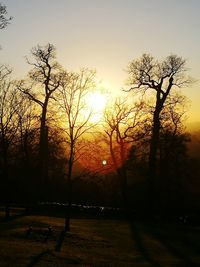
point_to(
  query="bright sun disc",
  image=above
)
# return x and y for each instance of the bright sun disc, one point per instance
(104, 162)
(96, 102)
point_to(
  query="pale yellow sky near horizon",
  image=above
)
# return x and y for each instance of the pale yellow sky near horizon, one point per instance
(105, 35)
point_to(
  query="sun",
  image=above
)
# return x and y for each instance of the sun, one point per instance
(96, 102)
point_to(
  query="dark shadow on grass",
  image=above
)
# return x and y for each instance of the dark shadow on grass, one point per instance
(170, 240)
(137, 238)
(38, 258)
(172, 237)
(54, 257)
(55, 260)
(60, 241)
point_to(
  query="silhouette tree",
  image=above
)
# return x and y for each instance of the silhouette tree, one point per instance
(9, 104)
(25, 151)
(123, 126)
(27, 121)
(172, 150)
(4, 20)
(45, 79)
(161, 77)
(73, 91)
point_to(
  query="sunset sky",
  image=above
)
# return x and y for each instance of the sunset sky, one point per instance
(105, 35)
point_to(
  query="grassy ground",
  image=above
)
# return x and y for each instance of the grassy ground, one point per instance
(95, 242)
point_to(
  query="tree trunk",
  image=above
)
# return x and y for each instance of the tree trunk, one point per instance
(123, 175)
(6, 192)
(69, 190)
(43, 149)
(121, 170)
(7, 211)
(153, 159)
(123, 186)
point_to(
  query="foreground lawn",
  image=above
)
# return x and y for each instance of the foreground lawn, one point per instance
(95, 242)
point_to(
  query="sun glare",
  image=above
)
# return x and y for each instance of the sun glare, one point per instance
(96, 102)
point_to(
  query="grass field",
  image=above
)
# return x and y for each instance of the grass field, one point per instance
(97, 242)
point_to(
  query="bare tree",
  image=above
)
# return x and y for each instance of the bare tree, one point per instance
(28, 125)
(123, 126)
(172, 150)
(174, 113)
(4, 20)
(8, 111)
(74, 89)
(9, 104)
(161, 77)
(45, 78)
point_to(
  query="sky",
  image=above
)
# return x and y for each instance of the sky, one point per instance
(105, 35)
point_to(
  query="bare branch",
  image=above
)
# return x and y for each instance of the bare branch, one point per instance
(4, 20)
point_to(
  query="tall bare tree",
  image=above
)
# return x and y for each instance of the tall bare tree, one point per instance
(45, 79)
(147, 74)
(74, 89)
